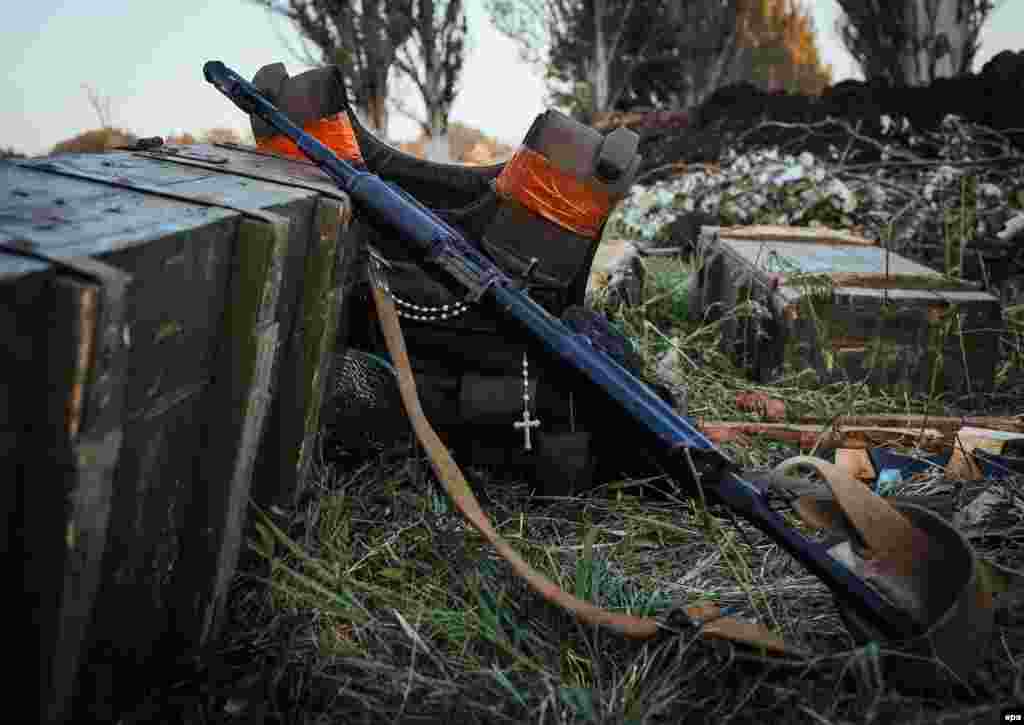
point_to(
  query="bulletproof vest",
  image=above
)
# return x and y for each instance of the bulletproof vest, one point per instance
(539, 217)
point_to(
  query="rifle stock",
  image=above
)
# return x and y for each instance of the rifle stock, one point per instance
(681, 450)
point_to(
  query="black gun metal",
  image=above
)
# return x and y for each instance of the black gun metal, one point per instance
(683, 452)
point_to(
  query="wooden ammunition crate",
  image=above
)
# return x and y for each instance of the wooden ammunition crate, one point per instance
(168, 322)
(845, 307)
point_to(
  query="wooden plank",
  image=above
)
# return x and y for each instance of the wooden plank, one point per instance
(76, 218)
(252, 164)
(234, 418)
(943, 423)
(327, 265)
(188, 183)
(816, 235)
(807, 436)
(46, 516)
(76, 404)
(173, 333)
(883, 280)
(133, 632)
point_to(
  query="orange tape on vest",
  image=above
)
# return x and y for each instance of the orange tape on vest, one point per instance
(559, 197)
(334, 132)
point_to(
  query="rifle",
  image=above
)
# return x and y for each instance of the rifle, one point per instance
(681, 451)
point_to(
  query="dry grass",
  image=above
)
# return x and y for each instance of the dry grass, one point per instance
(373, 601)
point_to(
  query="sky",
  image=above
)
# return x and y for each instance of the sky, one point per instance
(147, 58)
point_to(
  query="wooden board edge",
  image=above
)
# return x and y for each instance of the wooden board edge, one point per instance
(81, 417)
(321, 311)
(245, 374)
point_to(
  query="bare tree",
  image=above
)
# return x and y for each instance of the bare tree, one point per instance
(913, 42)
(101, 105)
(592, 49)
(361, 37)
(707, 38)
(432, 60)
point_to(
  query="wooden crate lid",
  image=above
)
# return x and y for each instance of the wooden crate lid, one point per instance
(848, 261)
(816, 235)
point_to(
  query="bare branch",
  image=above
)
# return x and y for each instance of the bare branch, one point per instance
(903, 43)
(360, 38)
(100, 104)
(432, 58)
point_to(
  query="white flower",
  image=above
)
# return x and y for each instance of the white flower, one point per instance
(840, 191)
(990, 191)
(1013, 227)
(709, 204)
(944, 175)
(689, 184)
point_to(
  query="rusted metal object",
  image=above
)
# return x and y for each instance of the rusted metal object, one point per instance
(134, 434)
(916, 557)
(959, 610)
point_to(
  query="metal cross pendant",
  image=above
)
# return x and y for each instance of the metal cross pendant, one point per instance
(526, 424)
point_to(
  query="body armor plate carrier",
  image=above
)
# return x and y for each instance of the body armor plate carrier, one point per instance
(539, 216)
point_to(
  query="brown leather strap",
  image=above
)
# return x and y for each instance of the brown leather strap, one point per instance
(458, 490)
(914, 557)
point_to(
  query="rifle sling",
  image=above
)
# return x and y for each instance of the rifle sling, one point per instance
(455, 484)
